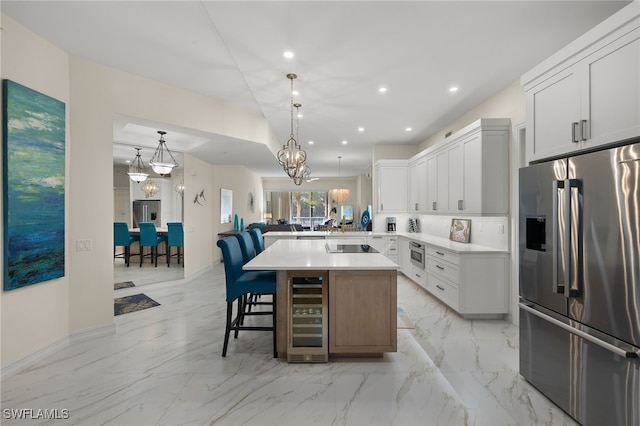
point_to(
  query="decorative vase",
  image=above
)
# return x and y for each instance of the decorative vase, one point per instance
(241, 224)
(235, 223)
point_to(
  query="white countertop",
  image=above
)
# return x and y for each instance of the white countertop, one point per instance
(324, 234)
(293, 254)
(447, 244)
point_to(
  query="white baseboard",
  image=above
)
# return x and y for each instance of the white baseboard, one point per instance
(41, 353)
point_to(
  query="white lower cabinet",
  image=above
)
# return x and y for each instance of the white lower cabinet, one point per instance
(474, 284)
(385, 244)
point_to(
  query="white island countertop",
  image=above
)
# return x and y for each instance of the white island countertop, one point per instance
(296, 255)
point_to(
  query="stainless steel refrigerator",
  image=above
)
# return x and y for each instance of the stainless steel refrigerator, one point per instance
(580, 283)
(146, 211)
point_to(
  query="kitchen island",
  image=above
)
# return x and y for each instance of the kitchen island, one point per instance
(359, 303)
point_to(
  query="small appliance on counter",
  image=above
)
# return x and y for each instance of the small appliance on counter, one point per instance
(413, 225)
(391, 224)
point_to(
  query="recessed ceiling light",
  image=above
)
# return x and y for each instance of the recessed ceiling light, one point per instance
(300, 115)
(382, 89)
(453, 89)
(295, 93)
(408, 129)
(311, 142)
(288, 54)
(361, 129)
(344, 142)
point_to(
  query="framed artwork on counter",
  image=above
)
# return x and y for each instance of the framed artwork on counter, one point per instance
(460, 230)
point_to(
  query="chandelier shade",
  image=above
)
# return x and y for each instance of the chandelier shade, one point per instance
(162, 161)
(137, 170)
(339, 195)
(291, 157)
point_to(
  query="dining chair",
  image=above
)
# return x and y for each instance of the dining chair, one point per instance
(175, 238)
(258, 240)
(239, 284)
(122, 238)
(149, 238)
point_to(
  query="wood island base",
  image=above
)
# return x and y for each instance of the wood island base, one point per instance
(360, 313)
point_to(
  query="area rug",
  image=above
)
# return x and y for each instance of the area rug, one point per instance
(123, 284)
(136, 302)
(403, 319)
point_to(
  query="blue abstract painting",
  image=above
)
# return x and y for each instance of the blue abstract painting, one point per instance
(33, 186)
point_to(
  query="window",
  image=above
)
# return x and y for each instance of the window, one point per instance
(309, 208)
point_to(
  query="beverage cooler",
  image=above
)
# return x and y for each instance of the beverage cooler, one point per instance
(308, 319)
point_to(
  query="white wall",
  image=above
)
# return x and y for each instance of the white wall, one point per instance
(241, 181)
(33, 317)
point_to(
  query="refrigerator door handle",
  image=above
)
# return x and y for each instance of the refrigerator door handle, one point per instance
(558, 250)
(632, 353)
(573, 260)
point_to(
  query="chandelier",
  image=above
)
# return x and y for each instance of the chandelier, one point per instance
(149, 188)
(180, 188)
(137, 171)
(162, 161)
(339, 195)
(291, 157)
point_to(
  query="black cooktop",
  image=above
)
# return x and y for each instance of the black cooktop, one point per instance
(350, 248)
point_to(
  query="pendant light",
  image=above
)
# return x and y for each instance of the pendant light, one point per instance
(291, 157)
(339, 195)
(137, 170)
(162, 161)
(149, 188)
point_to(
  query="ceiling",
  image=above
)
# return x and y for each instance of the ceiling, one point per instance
(344, 51)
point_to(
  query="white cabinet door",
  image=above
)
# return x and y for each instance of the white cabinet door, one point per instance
(612, 109)
(442, 198)
(413, 204)
(432, 183)
(392, 188)
(553, 108)
(417, 186)
(455, 173)
(404, 255)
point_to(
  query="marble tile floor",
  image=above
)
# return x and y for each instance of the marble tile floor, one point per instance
(147, 273)
(162, 366)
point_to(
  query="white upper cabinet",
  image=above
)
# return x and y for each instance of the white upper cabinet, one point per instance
(469, 172)
(418, 182)
(587, 94)
(391, 182)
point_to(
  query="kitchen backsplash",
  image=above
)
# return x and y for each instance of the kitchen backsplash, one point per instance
(484, 230)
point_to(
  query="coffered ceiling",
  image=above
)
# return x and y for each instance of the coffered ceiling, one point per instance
(344, 52)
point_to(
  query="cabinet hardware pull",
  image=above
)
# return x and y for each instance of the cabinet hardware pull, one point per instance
(418, 275)
(416, 206)
(574, 132)
(381, 206)
(460, 205)
(583, 130)
(435, 203)
(440, 253)
(440, 267)
(440, 288)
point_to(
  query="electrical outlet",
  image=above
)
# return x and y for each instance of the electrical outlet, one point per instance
(500, 228)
